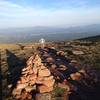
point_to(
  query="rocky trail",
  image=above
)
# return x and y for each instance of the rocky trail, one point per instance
(46, 71)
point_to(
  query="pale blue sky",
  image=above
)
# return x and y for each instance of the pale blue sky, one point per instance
(55, 13)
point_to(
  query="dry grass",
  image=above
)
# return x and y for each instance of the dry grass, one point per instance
(9, 46)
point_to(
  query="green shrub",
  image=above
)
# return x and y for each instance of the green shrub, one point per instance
(59, 91)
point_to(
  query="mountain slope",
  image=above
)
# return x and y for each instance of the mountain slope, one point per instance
(92, 38)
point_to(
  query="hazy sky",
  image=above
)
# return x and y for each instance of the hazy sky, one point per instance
(59, 13)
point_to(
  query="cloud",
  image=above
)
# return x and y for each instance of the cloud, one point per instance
(10, 9)
(16, 15)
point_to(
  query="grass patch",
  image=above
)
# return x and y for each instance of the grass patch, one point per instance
(59, 91)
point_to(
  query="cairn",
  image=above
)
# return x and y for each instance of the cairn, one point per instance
(34, 77)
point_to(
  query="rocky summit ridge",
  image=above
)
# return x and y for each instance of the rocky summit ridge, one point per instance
(43, 72)
(35, 75)
(50, 73)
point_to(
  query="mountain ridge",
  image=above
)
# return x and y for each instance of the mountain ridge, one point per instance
(49, 33)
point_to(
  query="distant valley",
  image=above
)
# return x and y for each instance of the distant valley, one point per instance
(33, 34)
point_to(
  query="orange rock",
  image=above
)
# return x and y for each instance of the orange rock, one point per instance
(23, 80)
(32, 77)
(19, 82)
(50, 59)
(44, 89)
(48, 78)
(16, 91)
(37, 64)
(39, 80)
(42, 67)
(75, 76)
(30, 61)
(62, 67)
(29, 97)
(35, 70)
(82, 71)
(24, 95)
(53, 66)
(18, 97)
(29, 88)
(44, 72)
(26, 72)
(61, 53)
(58, 78)
(21, 86)
(28, 77)
(37, 59)
(24, 69)
(32, 82)
(31, 71)
(49, 83)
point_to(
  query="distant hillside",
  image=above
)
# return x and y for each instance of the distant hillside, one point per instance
(92, 38)
(33, 34)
